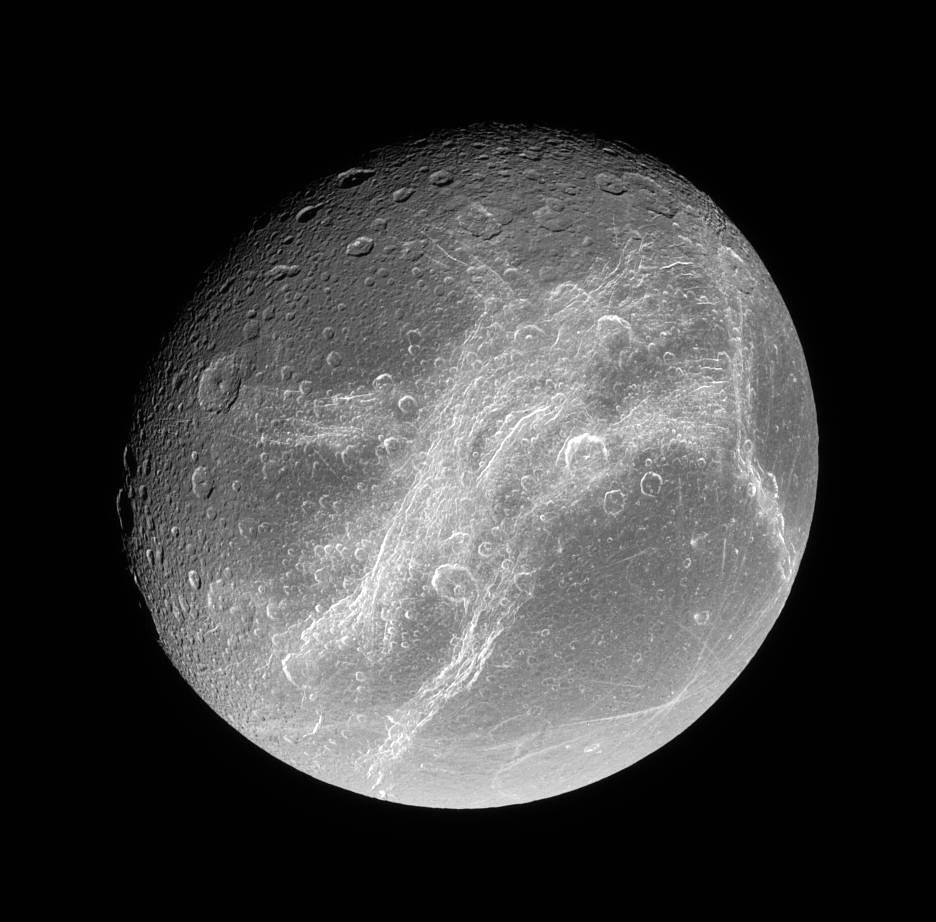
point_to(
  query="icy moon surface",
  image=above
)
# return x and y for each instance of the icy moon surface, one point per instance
(476, 472)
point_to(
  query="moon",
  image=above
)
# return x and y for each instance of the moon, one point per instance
(475, 472)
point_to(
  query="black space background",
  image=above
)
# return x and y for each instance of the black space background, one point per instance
(184, 161)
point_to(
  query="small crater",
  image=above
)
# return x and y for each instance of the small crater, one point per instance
(219, 384)
(614, 502)
(354, 177)
(202, 483)
(584, 451)
(608, 182)
(454, 583)
(307, 214)
(651, 484)
(360, 247)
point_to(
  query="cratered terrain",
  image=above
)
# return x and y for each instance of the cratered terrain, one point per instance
(476, 471)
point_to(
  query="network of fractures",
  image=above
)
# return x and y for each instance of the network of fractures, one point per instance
(589, 443)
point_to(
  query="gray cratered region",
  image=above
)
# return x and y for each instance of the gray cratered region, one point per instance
(477, 471)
